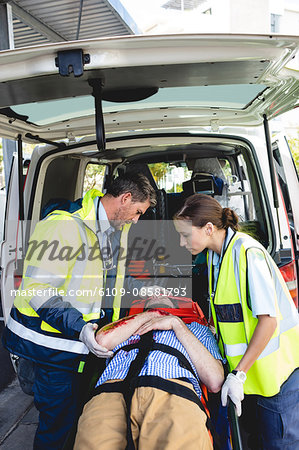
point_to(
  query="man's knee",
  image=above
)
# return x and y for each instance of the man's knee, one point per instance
(102, 423)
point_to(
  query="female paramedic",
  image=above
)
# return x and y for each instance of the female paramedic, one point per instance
(255, 319)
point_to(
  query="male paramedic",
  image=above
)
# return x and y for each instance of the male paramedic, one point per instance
(52, 322)
(151, 400)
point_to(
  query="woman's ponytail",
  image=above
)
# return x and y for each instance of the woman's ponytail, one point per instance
(230, 219)
(201, 209)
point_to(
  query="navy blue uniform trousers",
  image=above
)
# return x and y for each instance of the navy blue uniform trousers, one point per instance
(57, 398)
(273, 422)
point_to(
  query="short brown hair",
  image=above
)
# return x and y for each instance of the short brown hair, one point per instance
(201, 209)
(135, 183)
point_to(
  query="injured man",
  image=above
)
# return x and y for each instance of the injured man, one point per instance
(148, 397)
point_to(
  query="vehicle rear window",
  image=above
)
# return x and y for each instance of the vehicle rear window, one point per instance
(227, 178)
(170, 176)
(94, 177)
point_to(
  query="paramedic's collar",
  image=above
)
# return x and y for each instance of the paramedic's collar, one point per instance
(217, 258)
(103, 220)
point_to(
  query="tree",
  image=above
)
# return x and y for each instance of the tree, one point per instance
(94, 177)
(159, 170)
(294, 147)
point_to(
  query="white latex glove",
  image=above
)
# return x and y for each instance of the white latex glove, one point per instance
(152, 291)
(233, 388)
(87, 336)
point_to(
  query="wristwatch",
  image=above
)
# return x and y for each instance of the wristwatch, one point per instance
(240, 375)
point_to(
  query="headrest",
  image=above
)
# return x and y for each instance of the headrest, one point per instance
(203, 183)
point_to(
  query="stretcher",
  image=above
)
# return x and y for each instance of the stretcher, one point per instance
(188, 311)
(236, 439)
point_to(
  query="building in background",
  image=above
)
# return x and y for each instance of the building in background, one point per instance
(223, 16)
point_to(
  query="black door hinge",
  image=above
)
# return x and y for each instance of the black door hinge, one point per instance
(71, 61)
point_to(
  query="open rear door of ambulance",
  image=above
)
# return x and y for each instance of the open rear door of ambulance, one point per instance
(12, 244)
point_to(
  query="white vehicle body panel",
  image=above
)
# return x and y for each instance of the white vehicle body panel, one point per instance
(11, 246)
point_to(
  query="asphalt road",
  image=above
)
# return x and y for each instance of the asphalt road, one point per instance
(18, 416)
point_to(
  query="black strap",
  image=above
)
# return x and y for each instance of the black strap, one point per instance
(128, 388)
(155, 382)
(183, 361)
(144, 347)
(171, 387)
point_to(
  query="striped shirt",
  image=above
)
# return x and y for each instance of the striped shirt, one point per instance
(159, 363)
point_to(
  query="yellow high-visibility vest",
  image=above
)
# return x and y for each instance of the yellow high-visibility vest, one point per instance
(235, 323)
(64, 259)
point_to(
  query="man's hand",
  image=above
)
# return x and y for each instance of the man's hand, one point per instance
(117, 332)
(163, 321)
(87, 336)
(233, 388)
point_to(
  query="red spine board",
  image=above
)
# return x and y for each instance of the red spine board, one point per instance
(187, 310)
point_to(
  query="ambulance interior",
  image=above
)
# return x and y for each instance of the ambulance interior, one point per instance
(224, 171)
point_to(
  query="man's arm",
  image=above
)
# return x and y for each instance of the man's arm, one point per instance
(45, 272)
(117, 332)
(209, 369)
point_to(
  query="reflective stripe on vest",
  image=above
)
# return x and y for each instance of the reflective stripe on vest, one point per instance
(55, 343)
(280, 357)
(43, 275)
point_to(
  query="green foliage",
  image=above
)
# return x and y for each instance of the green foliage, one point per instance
(94, 177)
(177, 188)
(294, 146)
(159, 170)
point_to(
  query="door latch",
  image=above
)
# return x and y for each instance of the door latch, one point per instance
(71, 61)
